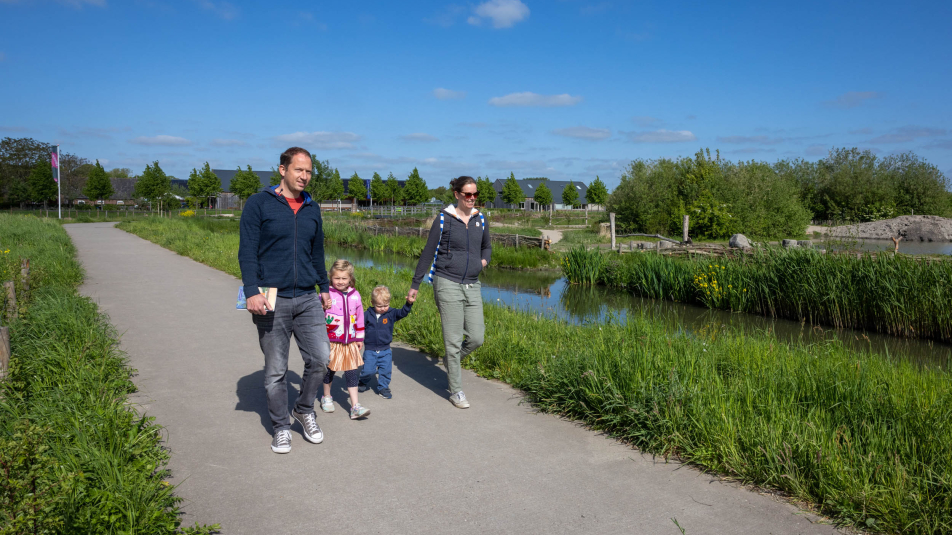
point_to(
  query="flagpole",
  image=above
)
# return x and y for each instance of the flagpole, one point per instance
(59, 194)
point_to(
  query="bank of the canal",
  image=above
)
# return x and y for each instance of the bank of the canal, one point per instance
(549, 294)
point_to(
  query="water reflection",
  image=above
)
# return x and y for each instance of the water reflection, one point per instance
(547, 293)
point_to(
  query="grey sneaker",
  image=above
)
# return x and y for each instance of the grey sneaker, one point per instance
(459, 399)
(327, 404)
(312, 431)
(281, 443)
(358, 411)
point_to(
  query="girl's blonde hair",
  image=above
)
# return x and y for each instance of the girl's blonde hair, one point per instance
(346, 267)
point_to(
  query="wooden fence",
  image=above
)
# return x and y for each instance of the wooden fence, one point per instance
(510, 240)
(10, 311)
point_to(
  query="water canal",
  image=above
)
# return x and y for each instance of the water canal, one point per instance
(547, 293)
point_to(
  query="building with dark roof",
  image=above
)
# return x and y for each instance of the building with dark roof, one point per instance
(530, 185)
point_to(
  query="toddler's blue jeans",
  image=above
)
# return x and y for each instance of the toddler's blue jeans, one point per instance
(379, 363)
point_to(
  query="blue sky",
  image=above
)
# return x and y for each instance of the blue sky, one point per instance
(565, 89)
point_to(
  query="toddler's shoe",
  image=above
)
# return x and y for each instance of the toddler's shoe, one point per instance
(385, 393)
(357, 412)
(362, 387)
(327, 404)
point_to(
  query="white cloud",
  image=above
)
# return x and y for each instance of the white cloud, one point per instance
(447, 17)
(474, 125)
(320, 140)
(171, 141)
(906, 134)
(225, 10)
(419, 136)
(584, 132)
(218, 142)
(448, 94)
(645, 121)
(662, 136)
(533, 99)
(17, 129)
(947, 144)
(758, 140)
(503, 13)
(80, 3)
(817, 150)
(852, 99)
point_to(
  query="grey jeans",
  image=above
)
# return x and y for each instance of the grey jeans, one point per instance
(461, 312)
(302, 316)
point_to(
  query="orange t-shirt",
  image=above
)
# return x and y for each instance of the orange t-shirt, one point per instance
(295, 203)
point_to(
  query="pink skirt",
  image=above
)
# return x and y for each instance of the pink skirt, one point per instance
(345, 357)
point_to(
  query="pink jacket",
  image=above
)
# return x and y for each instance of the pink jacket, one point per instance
(345, 317)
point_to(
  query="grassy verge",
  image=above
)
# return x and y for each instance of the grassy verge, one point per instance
(867, 440)
(897, 295)
(75, 457)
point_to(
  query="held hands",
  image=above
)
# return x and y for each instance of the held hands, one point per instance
(326, 300)
(258, 304)
(411, 296)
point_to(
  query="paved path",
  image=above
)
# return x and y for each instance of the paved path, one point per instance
(417, 465)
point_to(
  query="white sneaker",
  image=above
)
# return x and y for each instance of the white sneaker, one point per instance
(327, 404)
(459, 399)
(281, 442)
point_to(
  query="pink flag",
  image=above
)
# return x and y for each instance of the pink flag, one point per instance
(54, 161)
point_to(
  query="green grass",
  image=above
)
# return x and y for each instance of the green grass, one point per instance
(75, 457)
(867, 440)
(897, 295)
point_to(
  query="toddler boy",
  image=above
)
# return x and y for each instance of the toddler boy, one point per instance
(378, 334)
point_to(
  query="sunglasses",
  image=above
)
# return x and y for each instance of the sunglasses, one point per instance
(468, 195)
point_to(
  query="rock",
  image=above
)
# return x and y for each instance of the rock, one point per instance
(805, 243)
(605, 229)
(789, 244)
(664, 244)
(739, 241)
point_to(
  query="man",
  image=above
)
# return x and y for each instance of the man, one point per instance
(282, 246)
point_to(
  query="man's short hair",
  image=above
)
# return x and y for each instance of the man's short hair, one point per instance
(289, 155)
(380, 296)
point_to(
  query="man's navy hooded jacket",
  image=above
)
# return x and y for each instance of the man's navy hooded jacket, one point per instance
(279, 248)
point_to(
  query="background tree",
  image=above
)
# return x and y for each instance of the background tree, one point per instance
(276, 178)
(378, 189)
(18, 157)
(487, 193)
(356, 188)
(203, 185)
(74, 171)
(153, 185)
(120, 172)
(569, 194)
(321, 175)
(335, 187)
(596, 193)
(414, 189)
(245, 184)
(41, 185)
(98, 186)
(394, 193)
(543, 195)
(511, 192)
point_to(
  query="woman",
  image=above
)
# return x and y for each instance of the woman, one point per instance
(456, 251)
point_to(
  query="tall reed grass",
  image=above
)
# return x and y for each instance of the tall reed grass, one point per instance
(75, 457)
(894, 294)
(867, 440)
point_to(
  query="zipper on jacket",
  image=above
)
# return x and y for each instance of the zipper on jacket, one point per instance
(346, 318)
(466, 271)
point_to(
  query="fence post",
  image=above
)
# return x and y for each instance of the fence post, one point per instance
(25, 274)
(517, 240)
(611, 219)
(685, 233)
(11, 299)
(4, 351)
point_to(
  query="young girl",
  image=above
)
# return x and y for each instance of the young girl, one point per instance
(345, 329)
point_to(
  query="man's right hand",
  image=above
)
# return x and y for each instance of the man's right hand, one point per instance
(258, 304)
